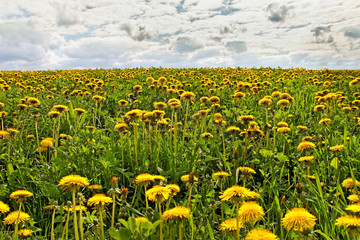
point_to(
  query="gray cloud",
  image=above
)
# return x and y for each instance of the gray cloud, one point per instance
(321, 34)
(225, 30)
(277, 14)
(66, 16)
(236, 46)
(186, 44)
(352, 32)
(140, 35)
(215, 39)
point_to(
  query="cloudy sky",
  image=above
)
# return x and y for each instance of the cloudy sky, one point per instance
(64, 34)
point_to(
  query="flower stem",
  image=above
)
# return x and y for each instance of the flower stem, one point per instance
(52, 224)
(186, 115)
(161, 224)
(237, 222)
(101, 223)
(189, 200)
(113, 210)
(81, 222)
(75, 217)
(180, 228)
(16, 235)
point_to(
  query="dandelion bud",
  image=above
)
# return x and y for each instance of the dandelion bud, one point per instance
(191, 177)
(114, 180)
(299, 188)
(283, 200)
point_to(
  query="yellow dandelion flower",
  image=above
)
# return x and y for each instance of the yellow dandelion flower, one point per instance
(60, 108)
(246, 118)
(305, 145)
(260, 234)
(311, 177)
(238, 194)
(25, 232)
(355, 208)
(33, 101)
(159, 178)
(319, 107)
(144, 179)
(337, 148)
(4, 207)
(160, 105)
(12, 131)
(123, 103)
(21, 195)
(22, 106)
(282, 102)
(204, 99)
(301, 127)
(4, 134)
(175, 213)
(98, 98)
(283, 129)
(79, 111)
(349, 183)
(13, 216)
(119, 127)
(251, 212)
(174, 188)
(306, 138)
(77, 208)
(54, 114)
(188, 178)
(306, 159)
(282, 124)
(73, 182)
(95, 187)
(99, 199)
(217, 116)
(221, 174)
(265, 102)
(323, 121)
(134, 114)
(139, 220)
(214, 99)
(354, 198)
(349, 221)
(137, 87)
(46, 143)
(233, 129)
(158, 194)
(207, 135)
(230, 225)
(298, 219)
(246, 170)
(187, 96)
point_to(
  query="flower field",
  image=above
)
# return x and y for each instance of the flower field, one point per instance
(207, 153)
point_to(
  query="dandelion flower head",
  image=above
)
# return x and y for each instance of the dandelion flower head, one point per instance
(237, 194)
(144, 179)
(251, 212)
(230, 225)
(99, 199)
(4, 207)
(158, 194)
(73, 182)
(260, 234)
(21, 195)
(12, 217)
(349, 221)
(298, 219)
(179, 212)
